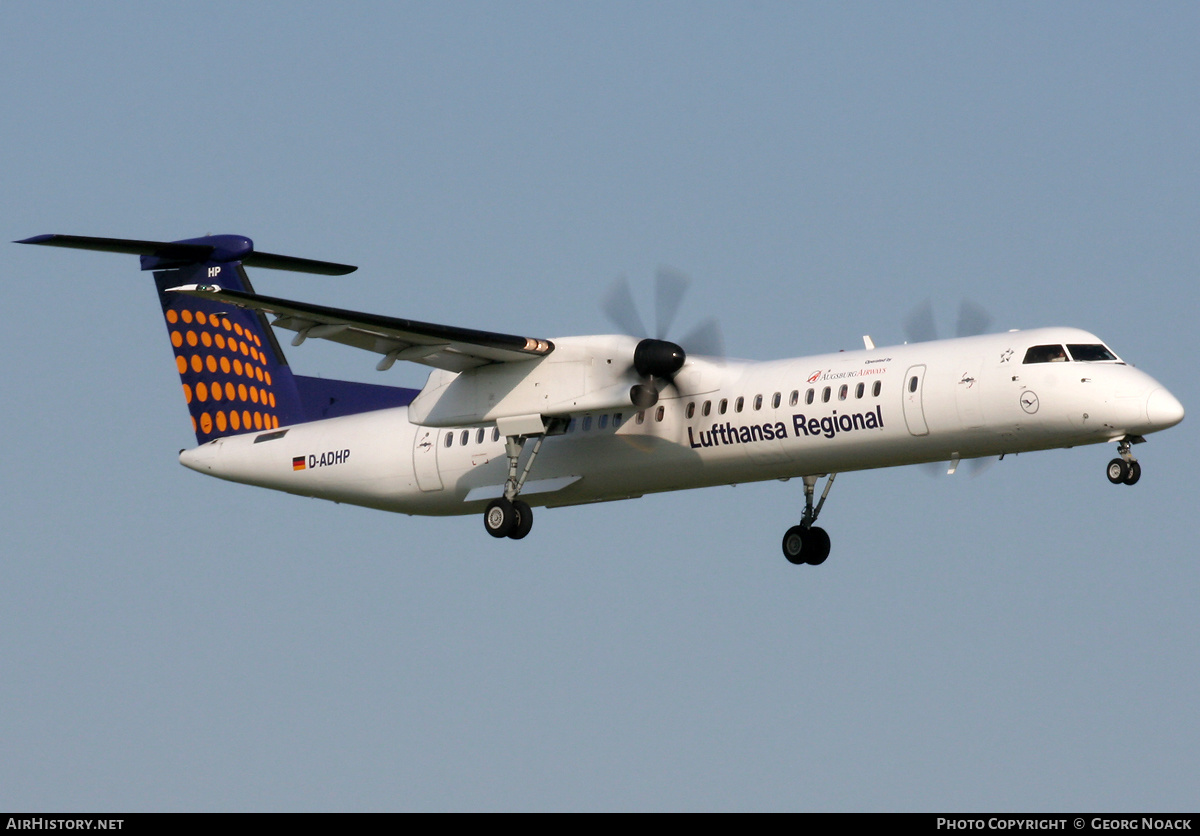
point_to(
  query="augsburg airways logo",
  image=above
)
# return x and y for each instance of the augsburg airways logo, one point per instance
(866, 371)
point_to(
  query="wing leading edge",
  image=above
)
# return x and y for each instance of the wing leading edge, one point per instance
(441, 346)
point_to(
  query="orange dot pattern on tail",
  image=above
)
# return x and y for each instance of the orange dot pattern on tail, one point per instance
(233, 393)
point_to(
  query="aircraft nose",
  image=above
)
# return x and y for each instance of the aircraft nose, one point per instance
(1163, 410)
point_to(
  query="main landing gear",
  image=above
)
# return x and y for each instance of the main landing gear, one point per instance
(805, 543)
(509, 516)
(1125, 470)
(512, 518)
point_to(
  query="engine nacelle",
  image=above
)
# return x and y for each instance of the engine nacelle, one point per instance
(584, 374)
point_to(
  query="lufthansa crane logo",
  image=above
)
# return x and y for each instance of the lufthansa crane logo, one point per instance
(1029, 402)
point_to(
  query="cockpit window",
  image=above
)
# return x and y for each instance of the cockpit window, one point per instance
(1091, 354)
(1046, 354)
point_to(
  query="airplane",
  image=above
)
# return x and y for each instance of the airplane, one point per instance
(507, 422)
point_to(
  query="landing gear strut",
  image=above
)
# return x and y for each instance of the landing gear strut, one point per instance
(805, 543)
(509, 516)
(1125, 470)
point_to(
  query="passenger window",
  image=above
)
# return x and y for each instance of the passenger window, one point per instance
(738, 404)
(845, 390)
(617, 420)
(602, 422)
(587, 423)
(479, 436)
(912, 383)
(859, 390)
(795, 398)
(810, 396)
(571, 426)
(495, 434)
(449, 438)
(825, 394)
(641, 417)
(466, 436)
(1045, 354)
(658, 415)
(757, 402)
(706, 409)
(775, 401)
(723, 405)
(877, 388)
(691, 409)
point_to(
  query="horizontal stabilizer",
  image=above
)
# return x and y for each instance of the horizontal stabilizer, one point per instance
(166, 255)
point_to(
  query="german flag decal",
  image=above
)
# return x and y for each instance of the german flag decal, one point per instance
(298, 463)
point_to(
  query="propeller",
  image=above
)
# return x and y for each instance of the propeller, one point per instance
(656, 359)
(919, 326)
(974, 467)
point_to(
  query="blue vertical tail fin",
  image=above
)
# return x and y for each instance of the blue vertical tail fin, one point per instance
(234, 376)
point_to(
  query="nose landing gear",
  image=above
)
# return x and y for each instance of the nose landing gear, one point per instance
(1125, 470)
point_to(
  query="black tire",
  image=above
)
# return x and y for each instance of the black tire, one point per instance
(1135, 473)
(795, 545)
(499, 517)
(1117, 471)
(524, 520)
(817, 546)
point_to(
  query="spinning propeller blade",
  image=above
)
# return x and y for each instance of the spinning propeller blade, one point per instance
(656, 359)
(919, 325)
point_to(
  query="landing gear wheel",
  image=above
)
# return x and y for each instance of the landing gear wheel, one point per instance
(794, 544)
(817, 547)
(524, 520)
(805, 545)
(500, 517)
(1118, 471)
(1134, 473)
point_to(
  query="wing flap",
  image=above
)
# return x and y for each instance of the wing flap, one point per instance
(534, 486)
(441, 346)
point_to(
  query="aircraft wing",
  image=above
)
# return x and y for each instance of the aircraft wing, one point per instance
(441, 346)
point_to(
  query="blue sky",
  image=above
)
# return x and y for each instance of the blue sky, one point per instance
(1022, 640)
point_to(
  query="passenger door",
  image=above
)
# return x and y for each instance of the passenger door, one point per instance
(425, 453)
(914, 410)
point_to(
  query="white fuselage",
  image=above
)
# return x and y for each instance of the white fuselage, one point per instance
(724, 422)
